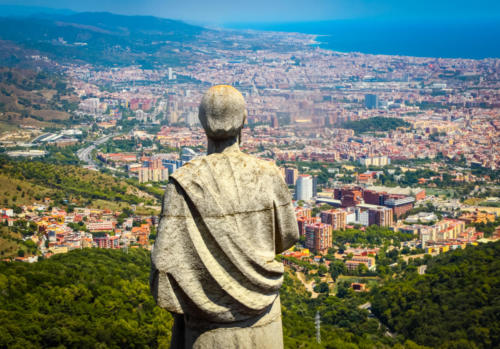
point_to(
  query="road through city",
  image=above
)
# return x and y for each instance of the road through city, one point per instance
(85, 154)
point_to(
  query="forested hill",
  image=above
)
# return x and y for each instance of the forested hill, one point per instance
(456, 304)
(102, 38)
(87, 298)
(100, 298)
(111, 40)
(24, 182)
(94, 298)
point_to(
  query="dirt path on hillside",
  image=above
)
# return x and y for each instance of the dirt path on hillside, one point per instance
(308, 285)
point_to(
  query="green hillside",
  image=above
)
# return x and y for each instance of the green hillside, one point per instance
(100, 298)
(111, 40)
(456, 304)
(343, 324)
(84, 299)
(36, 99)
(103, 38)
(24, 182)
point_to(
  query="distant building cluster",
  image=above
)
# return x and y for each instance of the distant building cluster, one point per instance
(353, 205)
(378, 161)
(158, 167)
(154, 168)
(59, 231)
(442, 232)
(398, 199)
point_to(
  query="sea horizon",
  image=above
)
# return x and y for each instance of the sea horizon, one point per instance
(465, 38)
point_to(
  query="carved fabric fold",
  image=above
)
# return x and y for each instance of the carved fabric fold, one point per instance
(224, 218)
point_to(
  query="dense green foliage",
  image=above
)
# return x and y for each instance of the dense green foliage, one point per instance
(344, 325)
(84, 299)
(372, 235)
(101, 298)
(71, 180)
(123, 145)
(456, 304)
(62, 156)
(375, 124)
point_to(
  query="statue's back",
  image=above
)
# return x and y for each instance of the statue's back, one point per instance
(224, 218)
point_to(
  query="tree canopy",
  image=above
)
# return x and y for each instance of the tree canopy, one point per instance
(87, 298)
(455, 304)
(375, 124)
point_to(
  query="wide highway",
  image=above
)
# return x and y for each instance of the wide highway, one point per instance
(85, 154)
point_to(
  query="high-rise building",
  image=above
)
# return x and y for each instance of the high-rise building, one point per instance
(304, 188)
(302, 222)
(361, 216)
(303, 212)
(371, 101)
(378, 215)
(143, 175)
(319, 237)
(335, 217)
(152, 174)
(274, 121)
(315, 186)
(381, 216)
(170, 165)
(192, 118)
(172, 117)
(291, 175)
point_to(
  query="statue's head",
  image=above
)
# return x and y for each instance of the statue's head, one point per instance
(222, 112)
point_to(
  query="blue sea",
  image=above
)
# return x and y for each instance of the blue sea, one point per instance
(427, 38)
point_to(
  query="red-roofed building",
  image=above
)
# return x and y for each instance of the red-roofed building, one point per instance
(107, 241)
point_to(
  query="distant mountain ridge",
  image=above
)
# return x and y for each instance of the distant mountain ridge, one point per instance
(24, 11)
(125, 25)
(110, 40)
(102, 38)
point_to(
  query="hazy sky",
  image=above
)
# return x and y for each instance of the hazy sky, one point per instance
(233, 11)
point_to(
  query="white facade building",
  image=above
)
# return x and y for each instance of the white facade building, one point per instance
(304, 188)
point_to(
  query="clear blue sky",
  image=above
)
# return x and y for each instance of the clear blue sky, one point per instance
(234, 11)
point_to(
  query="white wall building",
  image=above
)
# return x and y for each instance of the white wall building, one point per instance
(304, 188)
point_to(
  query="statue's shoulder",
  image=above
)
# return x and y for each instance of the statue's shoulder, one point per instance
(188, 169)
(236, 158)
(265, 166)
(239, 160)
(218, 170)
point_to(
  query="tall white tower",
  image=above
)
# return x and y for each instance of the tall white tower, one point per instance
(304, 187)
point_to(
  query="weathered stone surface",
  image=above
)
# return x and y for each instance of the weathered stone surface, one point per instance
(222, 112)
(224, 217)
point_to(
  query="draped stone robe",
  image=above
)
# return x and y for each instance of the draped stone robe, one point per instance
(224, 217)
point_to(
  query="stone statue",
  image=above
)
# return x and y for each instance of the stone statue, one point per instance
(224, 218)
